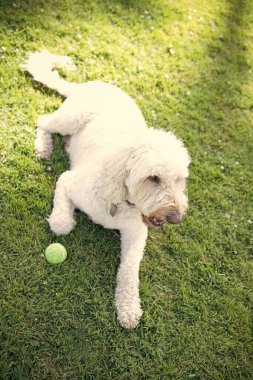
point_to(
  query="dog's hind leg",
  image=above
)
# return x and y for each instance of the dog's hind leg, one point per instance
(61, 121)
(66, 120)
(43, 144)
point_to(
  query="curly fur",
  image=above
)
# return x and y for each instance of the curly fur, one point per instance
(122, 174)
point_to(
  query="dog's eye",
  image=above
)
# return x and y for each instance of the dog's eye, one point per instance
(155, 179)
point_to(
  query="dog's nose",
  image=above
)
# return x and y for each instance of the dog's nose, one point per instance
(174, 217)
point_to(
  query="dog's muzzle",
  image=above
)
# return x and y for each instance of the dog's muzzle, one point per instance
(174, 217)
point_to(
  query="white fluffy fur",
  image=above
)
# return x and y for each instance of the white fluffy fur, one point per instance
(113, 160)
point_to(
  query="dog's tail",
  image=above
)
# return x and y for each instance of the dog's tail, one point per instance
(43, 68)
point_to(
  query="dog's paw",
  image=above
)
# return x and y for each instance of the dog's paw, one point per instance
(43, 144)
(129, 317)
(61, 224)
(44, 154)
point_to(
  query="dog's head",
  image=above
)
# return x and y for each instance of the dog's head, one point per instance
(156, 178)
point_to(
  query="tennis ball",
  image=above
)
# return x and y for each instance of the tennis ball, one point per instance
(55, 253)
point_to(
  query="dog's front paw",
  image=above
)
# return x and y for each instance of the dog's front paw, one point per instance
(129, 315)
(60, 223)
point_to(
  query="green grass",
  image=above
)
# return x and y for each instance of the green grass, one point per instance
(189, 67)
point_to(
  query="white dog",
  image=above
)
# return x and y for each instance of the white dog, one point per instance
(122, 174)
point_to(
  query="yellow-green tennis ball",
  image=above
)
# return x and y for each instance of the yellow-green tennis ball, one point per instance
(55, 253)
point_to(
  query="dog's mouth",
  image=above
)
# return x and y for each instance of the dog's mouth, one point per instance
(152, 221)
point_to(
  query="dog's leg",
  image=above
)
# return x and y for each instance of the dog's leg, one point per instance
(43, 144)
(65, 120)
(128, 302)
(62, 220)
(61, 121)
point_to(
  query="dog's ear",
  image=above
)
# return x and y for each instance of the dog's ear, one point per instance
(114, 177)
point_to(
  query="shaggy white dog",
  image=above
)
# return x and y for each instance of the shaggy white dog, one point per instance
(122, 174)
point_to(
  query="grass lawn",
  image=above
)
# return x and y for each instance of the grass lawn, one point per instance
(189, 66)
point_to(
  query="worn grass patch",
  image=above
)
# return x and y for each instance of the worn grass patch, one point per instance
(189, 67)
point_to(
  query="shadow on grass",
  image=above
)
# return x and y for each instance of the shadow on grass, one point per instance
(20, 14)
(219, 124)
(220, 84)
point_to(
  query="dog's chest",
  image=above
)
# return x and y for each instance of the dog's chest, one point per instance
(98, 209)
